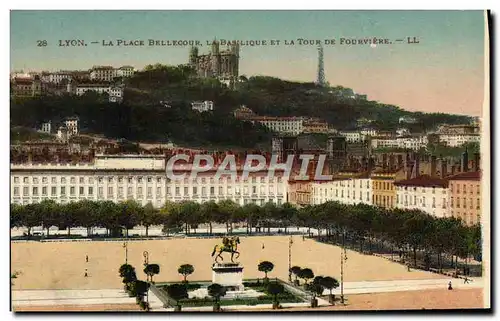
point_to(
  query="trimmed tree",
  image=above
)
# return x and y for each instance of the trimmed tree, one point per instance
(295, 271)
(185, 270)
(275, 289)
(177, 292)
(216, 291)
(266, 267)
(152, 269)
(330, 284)
(306, 274)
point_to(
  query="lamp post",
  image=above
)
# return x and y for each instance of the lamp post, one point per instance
(290, 259)
(343, 258)
(125, 246)
(146, 262)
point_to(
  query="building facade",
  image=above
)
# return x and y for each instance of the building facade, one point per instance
(465, 197)
(425, 193)
(457, 140)
(384, 191)
(136, 177)
(202, 106)
(283, 125)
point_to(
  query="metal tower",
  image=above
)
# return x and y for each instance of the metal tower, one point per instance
(321, 68)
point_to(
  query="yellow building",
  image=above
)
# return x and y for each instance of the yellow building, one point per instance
(384, 191)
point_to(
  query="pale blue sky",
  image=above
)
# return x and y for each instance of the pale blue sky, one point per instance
(444, 72)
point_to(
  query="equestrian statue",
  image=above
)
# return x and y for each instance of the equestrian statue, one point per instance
(230, 245)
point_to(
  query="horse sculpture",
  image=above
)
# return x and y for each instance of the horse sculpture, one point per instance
(229, 245)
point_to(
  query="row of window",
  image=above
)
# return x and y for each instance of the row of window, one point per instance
(464, 188)
(82, 179)
(464, 203)
(62, 191)
(413, 201)
(324, 192)
(130, 179)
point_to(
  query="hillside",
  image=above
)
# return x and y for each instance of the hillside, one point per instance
(141, 117)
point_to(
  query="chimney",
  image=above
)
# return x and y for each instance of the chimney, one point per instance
(417, 166)
(465, 161)
(452, 169)
(391, 162)
(400, 160)
(371, 163)
(433, 165)
(384, 160)
(477, 161)
(444, 168)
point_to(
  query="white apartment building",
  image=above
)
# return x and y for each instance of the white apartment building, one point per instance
(56, 77)
(407, 120)
(457, 140)
(125, 71)
(202, 106)
(383, 142)
(423, 193)
(346, 191)
(412, 142)
(103, 73)
(115, 93)
(108, 73)
(138, 177)
(404, 142)
(369, 132)
(285, 125)
(257, 188)
(46, 127)
(353, 136)
(72, 125)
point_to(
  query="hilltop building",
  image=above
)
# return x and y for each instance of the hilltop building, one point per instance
(220, 64)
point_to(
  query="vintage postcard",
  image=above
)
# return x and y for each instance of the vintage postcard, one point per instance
(239, 161)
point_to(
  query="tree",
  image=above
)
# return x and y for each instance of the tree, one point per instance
(148, 216)
(306, 274)
(177, 292)
(170, 217)
(48, 210)
(190, 213)
(151, 270)
(226, 210)
(216, 291)
(129, 213)
(127, 272)
(29, 217)
(295, 271)
(209, 213)
(275, 289)
(141, 289)
(266, 267)
(185, 270)
(330, 284)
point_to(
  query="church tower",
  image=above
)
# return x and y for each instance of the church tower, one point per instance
(193, 56)
(215, 58)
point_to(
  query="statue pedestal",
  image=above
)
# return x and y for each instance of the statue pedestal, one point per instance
(229, 275)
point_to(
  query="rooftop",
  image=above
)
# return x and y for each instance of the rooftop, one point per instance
(467, 176)
(423, 181)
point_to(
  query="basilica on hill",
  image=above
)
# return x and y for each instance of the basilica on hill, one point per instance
(221, 64)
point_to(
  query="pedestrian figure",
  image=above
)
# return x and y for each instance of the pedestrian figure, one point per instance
(408, 267)
(466, 280)
(263, 246)
(87, 258)
(86, 274)
(449, 286)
